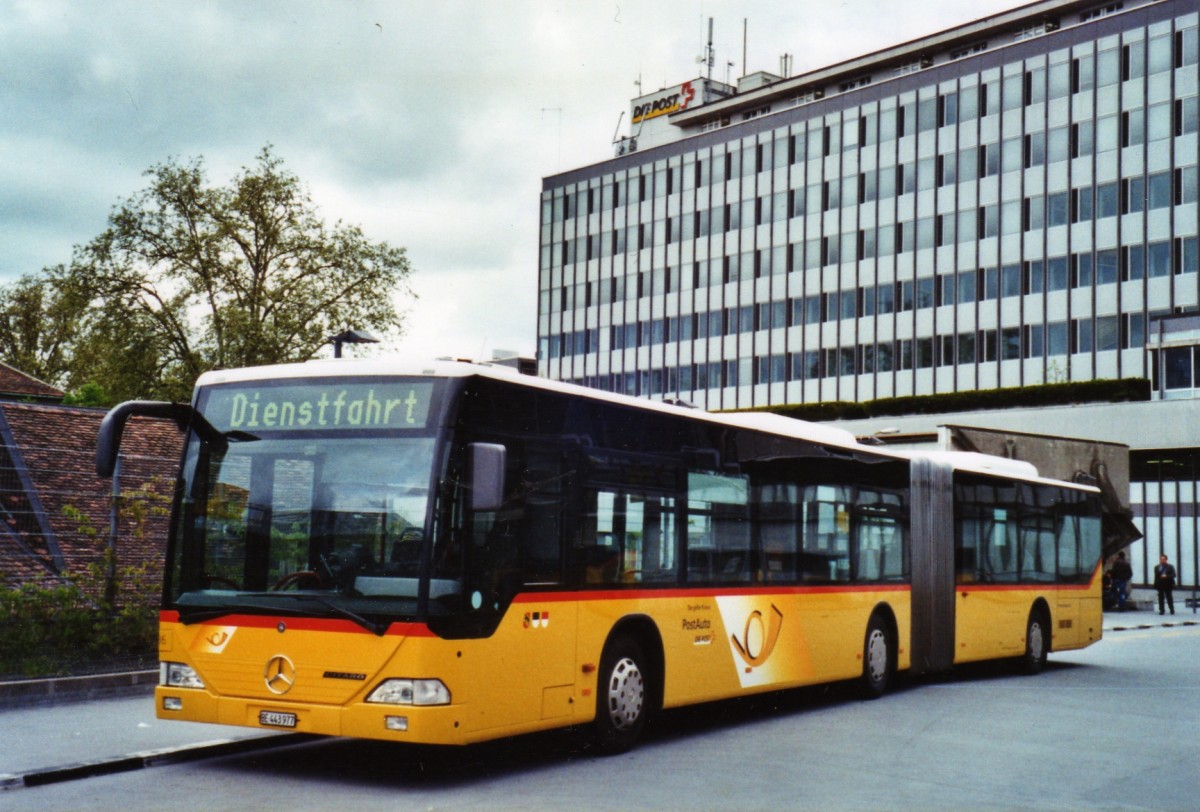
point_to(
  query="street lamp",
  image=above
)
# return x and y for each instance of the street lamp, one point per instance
(350, 337)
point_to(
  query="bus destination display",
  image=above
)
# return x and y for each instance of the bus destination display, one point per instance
(318, 407)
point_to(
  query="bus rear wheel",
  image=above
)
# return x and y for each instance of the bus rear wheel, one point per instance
(877, 659)
(1037, 642)
(621, 697)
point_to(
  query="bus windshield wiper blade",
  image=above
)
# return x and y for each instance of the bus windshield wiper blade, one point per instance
(375, 628)
(189, 615)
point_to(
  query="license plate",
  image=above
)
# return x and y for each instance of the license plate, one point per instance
(276, 719)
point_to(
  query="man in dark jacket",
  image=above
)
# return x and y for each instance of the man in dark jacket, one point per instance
(1121, 575)
(1164, 582)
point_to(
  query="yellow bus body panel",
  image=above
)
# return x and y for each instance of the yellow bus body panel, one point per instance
(991, 621)
(537, 671)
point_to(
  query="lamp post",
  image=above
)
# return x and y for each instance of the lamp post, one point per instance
(350, 337)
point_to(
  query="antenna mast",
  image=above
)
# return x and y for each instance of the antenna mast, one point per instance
(709, 54)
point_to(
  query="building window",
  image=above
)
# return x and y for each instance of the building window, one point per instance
(1083, 74)
(1133, 127)
(1185, 47)
(1081, 335)
(1107, 197)
(1133, 331)
(1187, 255)
(1081, 204)
(1058, 209)
(1133, 262)
(1082, 139)
(1081, 270)
(1107, 266)
(1185, 185)
(1159, 190)
(1056, 338)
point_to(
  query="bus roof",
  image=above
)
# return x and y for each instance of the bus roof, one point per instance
(765, 422)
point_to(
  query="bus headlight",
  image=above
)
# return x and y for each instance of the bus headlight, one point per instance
(411, 692)
(178, 675)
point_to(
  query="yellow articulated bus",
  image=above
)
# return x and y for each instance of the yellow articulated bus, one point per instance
(451, 553)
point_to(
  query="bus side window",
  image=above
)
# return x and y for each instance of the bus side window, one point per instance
(826, 557)
(627, 538)
(718, 528)
(777, 515)
(543, 486)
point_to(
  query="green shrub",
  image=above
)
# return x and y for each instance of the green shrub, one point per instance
(59, 627)
(1048, 394)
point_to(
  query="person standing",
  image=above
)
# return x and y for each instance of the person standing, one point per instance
(1122, 573)
(1164, 582)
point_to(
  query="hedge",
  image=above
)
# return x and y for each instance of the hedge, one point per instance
(1047, 394)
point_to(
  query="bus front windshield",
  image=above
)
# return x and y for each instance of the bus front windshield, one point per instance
(282, 517)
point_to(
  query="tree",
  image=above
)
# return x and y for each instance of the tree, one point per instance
(39, 322)
(190, 277)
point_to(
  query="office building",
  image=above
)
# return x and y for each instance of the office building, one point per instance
(1009, 202)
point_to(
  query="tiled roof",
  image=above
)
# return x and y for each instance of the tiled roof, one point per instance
(55, 511)
(14, 383)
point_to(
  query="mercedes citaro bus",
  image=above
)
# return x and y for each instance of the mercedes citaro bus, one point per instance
(450, 552)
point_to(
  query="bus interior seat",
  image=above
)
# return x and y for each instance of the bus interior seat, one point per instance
(600, 564)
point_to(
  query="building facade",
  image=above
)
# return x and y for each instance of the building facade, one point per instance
(1009, 202)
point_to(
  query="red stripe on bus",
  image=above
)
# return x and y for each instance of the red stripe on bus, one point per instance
(679, 592)
(301, 624)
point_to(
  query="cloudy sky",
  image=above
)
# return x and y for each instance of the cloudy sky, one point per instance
(430, 124)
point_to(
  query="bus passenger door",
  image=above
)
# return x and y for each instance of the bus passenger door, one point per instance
(991, 611)
(524, 671)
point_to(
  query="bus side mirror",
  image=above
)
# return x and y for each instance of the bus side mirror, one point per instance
(486, 462)
(108, 441)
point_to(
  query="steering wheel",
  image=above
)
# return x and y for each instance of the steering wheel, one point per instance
(298, 580)
(211, 581)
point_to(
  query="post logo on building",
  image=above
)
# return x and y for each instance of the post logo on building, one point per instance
(671, 101)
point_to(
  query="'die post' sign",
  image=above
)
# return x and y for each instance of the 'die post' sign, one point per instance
(336, 405)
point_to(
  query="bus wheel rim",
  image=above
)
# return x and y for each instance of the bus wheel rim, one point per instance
(877, 655)
(1036, 642)
(626, 691)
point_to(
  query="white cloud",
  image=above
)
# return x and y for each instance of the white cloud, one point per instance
(429, 124)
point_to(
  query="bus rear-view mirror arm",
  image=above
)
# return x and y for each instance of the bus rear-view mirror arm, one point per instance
(108, 441)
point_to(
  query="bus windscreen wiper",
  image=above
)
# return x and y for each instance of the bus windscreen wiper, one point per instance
(370, 625)
(376, 629)
(189, 615)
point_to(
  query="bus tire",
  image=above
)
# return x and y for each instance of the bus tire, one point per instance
(1037, 641)
(877, 659)
(622, 697)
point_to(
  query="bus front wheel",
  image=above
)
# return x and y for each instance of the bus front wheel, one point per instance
(621, 697)
(877, 659)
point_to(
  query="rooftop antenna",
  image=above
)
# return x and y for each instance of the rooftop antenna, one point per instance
(745, 35)
(709, 54)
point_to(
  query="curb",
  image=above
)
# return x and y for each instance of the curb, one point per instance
(1160, 625)
(150, 758)
(50, 691)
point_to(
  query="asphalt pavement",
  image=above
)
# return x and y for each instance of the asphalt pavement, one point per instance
(48, 741)
(45, 743)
